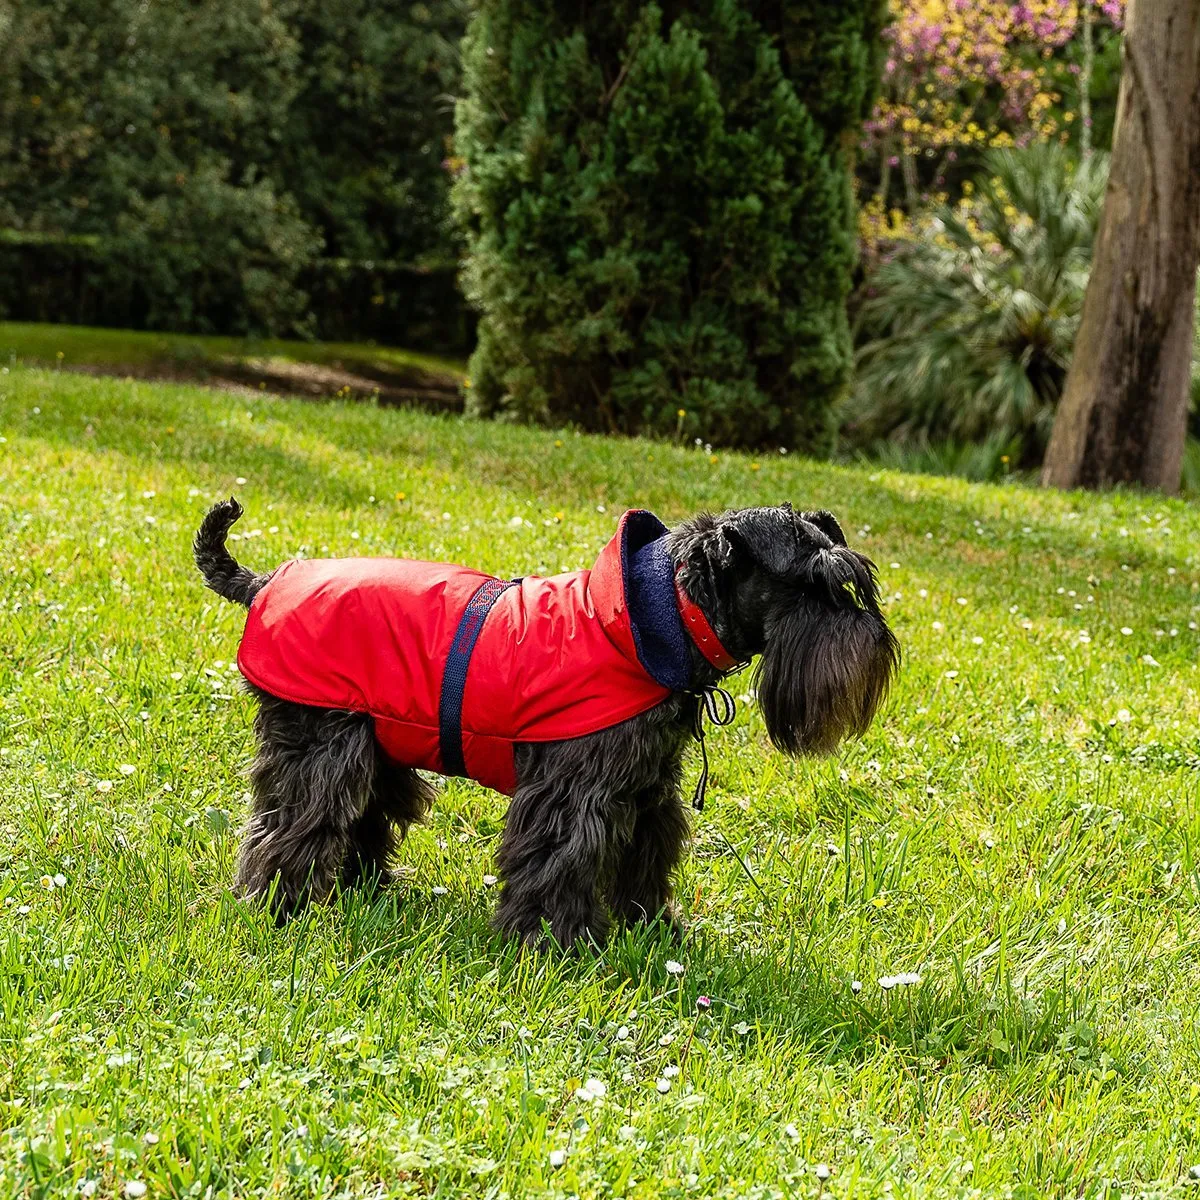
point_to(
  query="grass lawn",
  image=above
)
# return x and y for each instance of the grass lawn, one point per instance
(307, 368)
(1020, 828)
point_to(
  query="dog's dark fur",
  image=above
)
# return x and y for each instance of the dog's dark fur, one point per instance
(597, 825)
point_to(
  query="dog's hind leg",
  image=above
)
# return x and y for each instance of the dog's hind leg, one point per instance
(640, 889)
(399, 796)
(311, 779)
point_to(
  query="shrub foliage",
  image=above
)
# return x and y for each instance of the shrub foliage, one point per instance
(205, 156)
(966, 331)
(657, 204)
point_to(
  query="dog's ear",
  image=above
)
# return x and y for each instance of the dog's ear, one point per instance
(826, 522)
(768, 536)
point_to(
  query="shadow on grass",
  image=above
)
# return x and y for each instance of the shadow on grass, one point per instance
(728, 995)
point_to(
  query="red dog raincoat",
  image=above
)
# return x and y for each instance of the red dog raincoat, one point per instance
(456, 666)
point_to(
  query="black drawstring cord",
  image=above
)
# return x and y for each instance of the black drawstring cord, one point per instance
(718, 716)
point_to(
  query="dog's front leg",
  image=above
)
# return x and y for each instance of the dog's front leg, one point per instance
(640, 890)
(558, 840)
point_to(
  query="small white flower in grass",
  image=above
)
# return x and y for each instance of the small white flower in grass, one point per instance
(245, 1083)
(557, 1157)
(822, 1172)
(923, 593)
(60, 880)
(666, 1039)
(1026, 624)
(104, 785)
(938, 625)
(489, 880)
(592, 1089)
(741, 1028)
(47, 882)
(525, 1034)
(1013, 609)
(1126, 630)
(908, 979)
(150, 1138)
(832, 849)
(887, 982)
(623, 1033)
(856, 986)
(670, 1072)
(664, 1086)
(673, 967)
(440, 891)
(240, 479)
(23, 909)
(1194, 1171)
(1124, 716)
(1150, 660)
(951, 674)
(516, 523)
(628, 1132)
(792, 1132)
(88, 1187)
(977, 641)
(135, 1188)
(960, 600)
(895, 566)
(127, 769)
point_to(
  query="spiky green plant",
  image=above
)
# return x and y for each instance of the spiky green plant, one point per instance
(966, 332)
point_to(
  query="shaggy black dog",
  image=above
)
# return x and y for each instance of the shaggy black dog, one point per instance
(597, 824)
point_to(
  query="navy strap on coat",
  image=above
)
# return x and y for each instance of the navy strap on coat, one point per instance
(454, 678)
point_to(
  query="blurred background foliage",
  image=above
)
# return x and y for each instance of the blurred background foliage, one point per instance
(242, 167)
(839, 227)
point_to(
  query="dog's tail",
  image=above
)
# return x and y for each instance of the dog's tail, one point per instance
(221, 571)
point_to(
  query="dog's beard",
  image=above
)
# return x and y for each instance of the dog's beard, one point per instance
(829, 658)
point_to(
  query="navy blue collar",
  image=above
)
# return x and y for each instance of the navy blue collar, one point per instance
(658, 632)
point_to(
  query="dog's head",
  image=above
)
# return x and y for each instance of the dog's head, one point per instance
(784, 585)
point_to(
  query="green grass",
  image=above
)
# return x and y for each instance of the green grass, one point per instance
(269, 362)
(1020, 827)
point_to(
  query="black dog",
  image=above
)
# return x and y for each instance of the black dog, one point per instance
(596, 825)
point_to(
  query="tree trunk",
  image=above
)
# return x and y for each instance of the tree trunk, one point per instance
(1123, 415)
